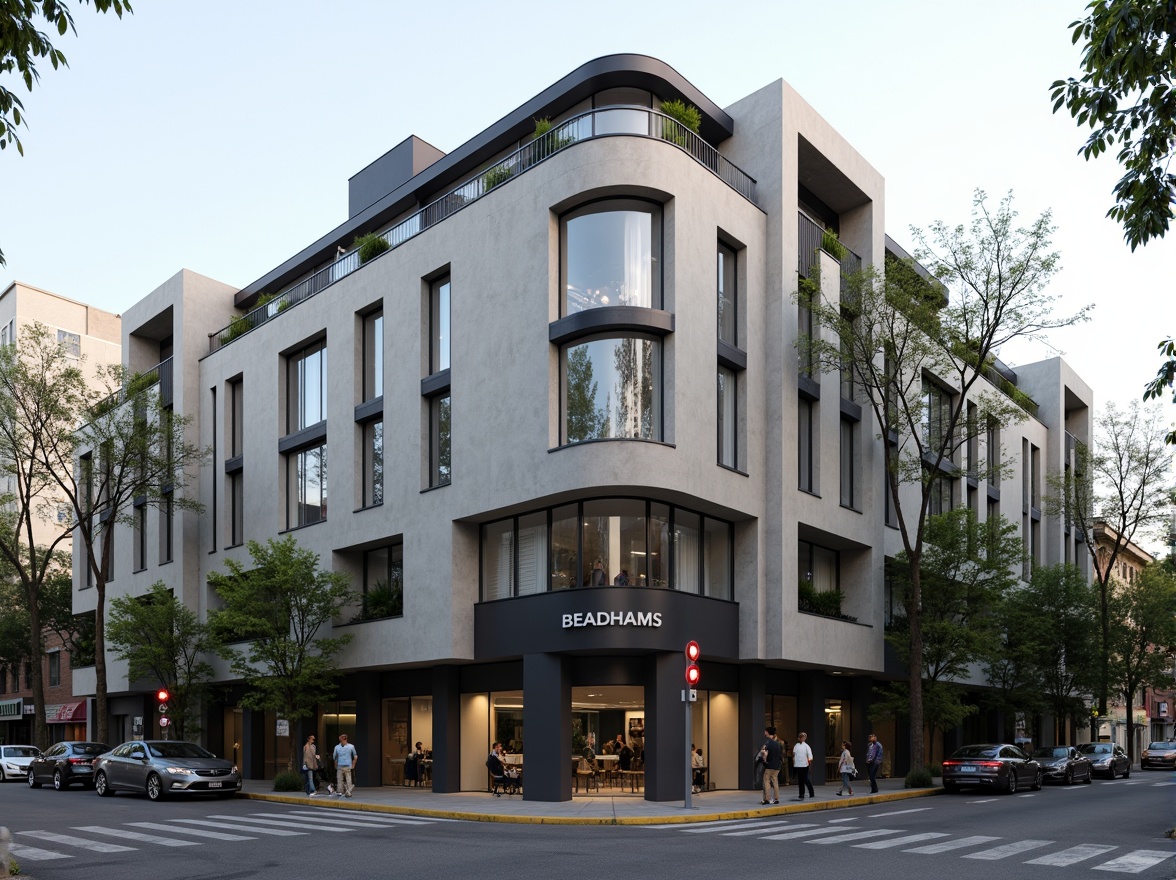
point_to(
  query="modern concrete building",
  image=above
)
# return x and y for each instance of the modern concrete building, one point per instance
(573, 367)
(91, 335)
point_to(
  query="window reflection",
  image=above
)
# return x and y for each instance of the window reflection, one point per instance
(612, 389)
(611, 253)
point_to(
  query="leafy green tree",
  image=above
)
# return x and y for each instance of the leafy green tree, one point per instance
(1165, 380)
(890, 329)
(965, 572)
(1125, 96)
(22, 45)
(1117, 494)
(1142, 638)
(162, 639)
(1050, 631)
(278, 605)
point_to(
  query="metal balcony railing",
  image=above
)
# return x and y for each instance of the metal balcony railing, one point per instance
(603, 122)
(160, 374)
(809, 239)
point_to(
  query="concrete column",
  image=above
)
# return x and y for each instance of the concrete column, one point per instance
(369, 742)
(252, 745)
(752, 699)
(810, 717)
(446, 729)
(547, 722)
(665, 728)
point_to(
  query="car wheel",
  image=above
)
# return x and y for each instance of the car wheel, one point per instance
(1089, 777)
(59, 784)
(1068, 779)
(1127, 773)
(1012, 783)
(1037, 778)
(102, 786)
(950, 787)
(33, 779)
(154, 788)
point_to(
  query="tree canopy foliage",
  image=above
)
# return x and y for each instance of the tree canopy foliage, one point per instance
(1125, 96)
(278, 605)
(920, 348)
(1165, 380)
(22, 45)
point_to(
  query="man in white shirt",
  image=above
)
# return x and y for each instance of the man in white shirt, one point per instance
(802, 758)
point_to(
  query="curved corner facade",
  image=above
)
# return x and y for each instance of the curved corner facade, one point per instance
(556, 434)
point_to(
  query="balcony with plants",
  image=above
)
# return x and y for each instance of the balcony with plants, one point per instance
(676, 123)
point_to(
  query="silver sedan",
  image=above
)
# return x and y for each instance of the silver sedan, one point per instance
(159, 768)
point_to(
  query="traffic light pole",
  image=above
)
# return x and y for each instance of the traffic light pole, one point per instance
(689, 753)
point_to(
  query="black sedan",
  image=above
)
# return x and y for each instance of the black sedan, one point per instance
(1064, 764)
(65, 764)
(1107, 759)
(159, 768)
(1000, 765)
(1159, 755)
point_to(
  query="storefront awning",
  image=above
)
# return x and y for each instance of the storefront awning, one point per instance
(65, 712)
(11, 709)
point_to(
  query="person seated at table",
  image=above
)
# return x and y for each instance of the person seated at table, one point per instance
(622, 579)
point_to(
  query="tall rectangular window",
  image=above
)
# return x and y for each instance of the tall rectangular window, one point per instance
(1034, 476)
(55, 669)
(848, 463)
(804, 446)
(439, 441)
(165, 529)
(936, 419)
(972, 447)
(992, 452)
(728, 328)
(307, 486)
(942, 497)
(237, 509)
(236, 418)
(306, 386)
(804, 328)
(140, 537)
(373, 355)
(728, 451)
(891, 514)
(373, 463)
(439, 324)
(383, 581)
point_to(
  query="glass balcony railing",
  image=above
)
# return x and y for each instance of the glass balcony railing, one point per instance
(605, 122)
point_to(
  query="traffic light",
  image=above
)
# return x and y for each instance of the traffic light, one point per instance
(161, 697)
(692, 674)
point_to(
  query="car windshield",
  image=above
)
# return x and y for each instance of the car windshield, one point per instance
(1096, 749)
(977, 752)
(179, 750)
(1161, 746)
(1052, 752)
(90, 748)
(20, 752)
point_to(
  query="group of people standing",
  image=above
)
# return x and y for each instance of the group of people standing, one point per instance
(345, 758)
(774, 755)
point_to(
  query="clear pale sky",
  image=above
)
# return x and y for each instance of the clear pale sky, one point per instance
(218, 136)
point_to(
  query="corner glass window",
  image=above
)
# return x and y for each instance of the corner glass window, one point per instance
(612, 390)
(611, 256)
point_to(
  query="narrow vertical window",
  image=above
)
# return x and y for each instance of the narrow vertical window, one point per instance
(727, 299)
(373, 463)
(165, 529)
(140, 537)
(237, 509)
(848, 462)
(440, 431)
(307, 475)
(436, 386)
(728, 454)
(55, 669)
(439, 321)
(373, 355)
(307, 387)
(804, 446)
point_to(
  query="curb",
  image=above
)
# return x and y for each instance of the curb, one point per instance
(756, 813)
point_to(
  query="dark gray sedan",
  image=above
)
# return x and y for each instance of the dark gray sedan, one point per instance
(66, 763)
(1064, 764)
(1107, 759)
(1000, 765)
(159, 768)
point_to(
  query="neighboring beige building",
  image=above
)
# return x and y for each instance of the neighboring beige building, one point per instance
(577, 349)
(93, 336)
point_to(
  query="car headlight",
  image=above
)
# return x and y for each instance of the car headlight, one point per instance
(181, 771)
(235, 770)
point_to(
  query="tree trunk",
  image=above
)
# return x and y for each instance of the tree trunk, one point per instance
(37, 681)
(915, 619)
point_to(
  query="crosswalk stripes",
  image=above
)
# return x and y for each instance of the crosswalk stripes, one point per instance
(901, 841)
(369, 818)
(1073, 855)
(854, 835)
(1009, 849)
(244, 822)
(194, 832)
(80, 842)
(793, 835)
(252, 829)
(770, 826)
(34, 854)
(948, 845)
(1134, 862)
(134, 835)
(713, 827)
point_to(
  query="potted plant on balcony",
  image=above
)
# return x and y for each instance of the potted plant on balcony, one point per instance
(683, 115)
(371, 246)
(545, 142)
(496, 175)
(832, 245)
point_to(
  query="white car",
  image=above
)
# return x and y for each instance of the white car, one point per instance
(15, 760)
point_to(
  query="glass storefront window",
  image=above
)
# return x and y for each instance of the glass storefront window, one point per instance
(659, 545)
(612, 250)
(531, 549)
(717, 574)
(687, 551)
(565, 543)
(612, 389)
(497, 559)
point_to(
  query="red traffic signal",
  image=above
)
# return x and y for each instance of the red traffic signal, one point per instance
(162, 695)
(693, 652)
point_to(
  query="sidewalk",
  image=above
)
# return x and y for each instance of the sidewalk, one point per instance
(591, 810)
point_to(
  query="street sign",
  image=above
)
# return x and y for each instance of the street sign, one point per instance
(164, 721)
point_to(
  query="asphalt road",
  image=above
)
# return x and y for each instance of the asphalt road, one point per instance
(1114, 828)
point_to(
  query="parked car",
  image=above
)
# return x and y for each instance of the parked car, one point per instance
(160, 768)
(1001, 765)
(1064, 763)
(14, 761)
(1160, 755)
(65, 763)
(1107, 759)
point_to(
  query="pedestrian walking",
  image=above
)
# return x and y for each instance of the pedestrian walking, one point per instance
(846, 768)
(310, 764)
(873, 762)
(346, 759)
(772, 756)
(802, 759)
